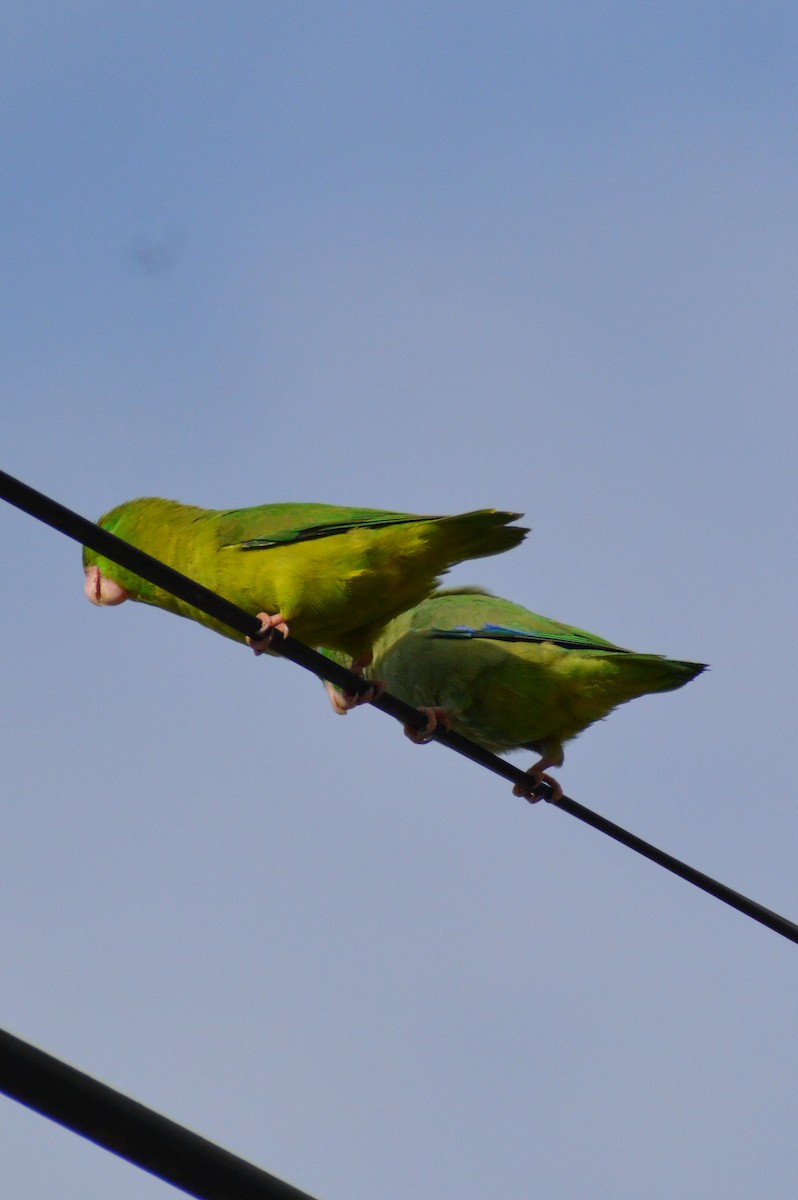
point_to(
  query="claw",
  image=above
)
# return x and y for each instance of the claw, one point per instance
(268, 623)
(435, 717)
(537, 777)
(344, 702)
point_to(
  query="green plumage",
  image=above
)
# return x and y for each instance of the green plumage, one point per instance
(337, 575)
(508, 678)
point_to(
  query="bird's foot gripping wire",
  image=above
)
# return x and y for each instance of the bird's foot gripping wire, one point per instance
(537, 776)
(268, 623)
(435, 717)
(343, 702)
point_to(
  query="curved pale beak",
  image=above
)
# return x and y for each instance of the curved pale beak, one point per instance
(102, 590)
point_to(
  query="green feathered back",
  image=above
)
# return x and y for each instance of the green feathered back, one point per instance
(509, 678)
(336, 574)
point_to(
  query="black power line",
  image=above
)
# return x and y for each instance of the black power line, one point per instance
(119, 551)
(127, 1128)
(120, 1124)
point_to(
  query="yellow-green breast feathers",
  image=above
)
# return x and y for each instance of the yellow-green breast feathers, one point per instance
(508, 678)
(336, 574)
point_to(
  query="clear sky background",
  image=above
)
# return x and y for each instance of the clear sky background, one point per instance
(428, 257)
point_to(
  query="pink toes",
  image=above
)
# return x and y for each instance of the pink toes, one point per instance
(268, 623)
(537, 776)
(344, 702)
(435, 717)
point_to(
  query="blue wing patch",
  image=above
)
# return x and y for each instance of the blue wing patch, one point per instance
(506, 633)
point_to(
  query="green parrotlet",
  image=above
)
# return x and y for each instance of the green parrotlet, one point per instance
(508, 678)
(334, 576)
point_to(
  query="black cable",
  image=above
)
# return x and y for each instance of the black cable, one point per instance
(128, 1129)
(120, 1124)
(107, 544)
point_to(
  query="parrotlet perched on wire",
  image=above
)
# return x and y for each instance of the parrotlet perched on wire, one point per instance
(334, 576)
(508, 678)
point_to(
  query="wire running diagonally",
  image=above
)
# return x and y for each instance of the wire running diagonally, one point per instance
(70, 523)
(130, 1130)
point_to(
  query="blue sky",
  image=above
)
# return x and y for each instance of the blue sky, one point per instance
(429, 258)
